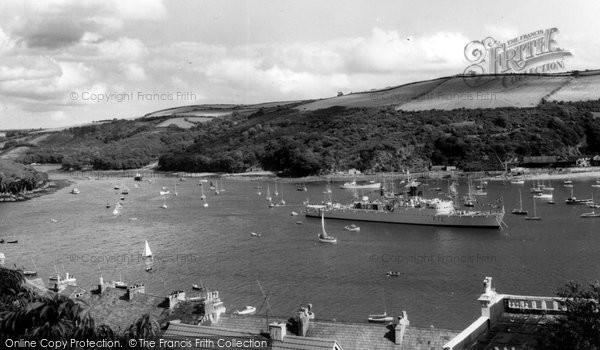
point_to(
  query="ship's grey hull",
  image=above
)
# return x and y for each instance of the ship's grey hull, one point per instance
(413, 216)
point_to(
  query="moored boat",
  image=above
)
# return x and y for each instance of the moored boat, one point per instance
(409, 209)
(352, 227)
(323, 236)
(380, 318)
(574, 201)
(353, 184)
(519, 211)
(248, 310)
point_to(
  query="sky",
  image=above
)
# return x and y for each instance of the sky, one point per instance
(70, 62)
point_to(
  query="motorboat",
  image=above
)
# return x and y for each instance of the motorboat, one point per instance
(352, 227)
(393, 274)
(254, 234)
(381, 318)
(248, 310)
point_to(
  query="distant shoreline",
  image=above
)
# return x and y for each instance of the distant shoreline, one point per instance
(531, 174)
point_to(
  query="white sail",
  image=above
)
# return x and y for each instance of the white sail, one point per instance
(147, 251)
(323, 224)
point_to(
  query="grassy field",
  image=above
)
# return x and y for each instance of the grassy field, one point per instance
(472, 92)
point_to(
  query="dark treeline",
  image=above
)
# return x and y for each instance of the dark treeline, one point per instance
(295, 143)
(302, 143)
(16, 178)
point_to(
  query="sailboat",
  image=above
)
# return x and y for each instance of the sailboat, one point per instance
(175, 188)
(269, 198)
(281, 201)
(534, 217)
(164, 191)
(573, 200)
(117, 210)
(276, 193)
(217, 187)
(147, 251)
(323, 236)
(469, 201)
(222, 188)
(520, 211)
(203, 196)
(31, 272)
(593, 213)
(164, 206)
(120, 283)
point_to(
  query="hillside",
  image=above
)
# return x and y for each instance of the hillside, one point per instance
(410, 126)
(299, 143)
(482, 91)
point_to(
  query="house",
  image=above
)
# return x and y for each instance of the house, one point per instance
(509, 321)
(317, 334)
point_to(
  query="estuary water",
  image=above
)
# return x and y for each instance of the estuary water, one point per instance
(441, 268)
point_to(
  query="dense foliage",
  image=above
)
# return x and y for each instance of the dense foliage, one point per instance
(296, 143)
(16, 178)
(119, 144)
(580, 329)
(382, 139)
(28, 315)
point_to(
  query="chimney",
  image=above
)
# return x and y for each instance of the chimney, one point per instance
(400, 329)
(101, 285)
(303, 320)
(135, 289)
(277, 331)
(175, 298)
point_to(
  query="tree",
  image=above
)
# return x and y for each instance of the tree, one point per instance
(580, 328)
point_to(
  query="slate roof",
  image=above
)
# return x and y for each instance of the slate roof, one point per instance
(180, 331)
(351, 335)
(114, 309)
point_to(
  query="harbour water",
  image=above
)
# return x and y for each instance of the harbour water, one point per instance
(441, 268)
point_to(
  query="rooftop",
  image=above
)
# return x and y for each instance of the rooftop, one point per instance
(351, 335)
(509, 321)
(114, 309)
(515, 330)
